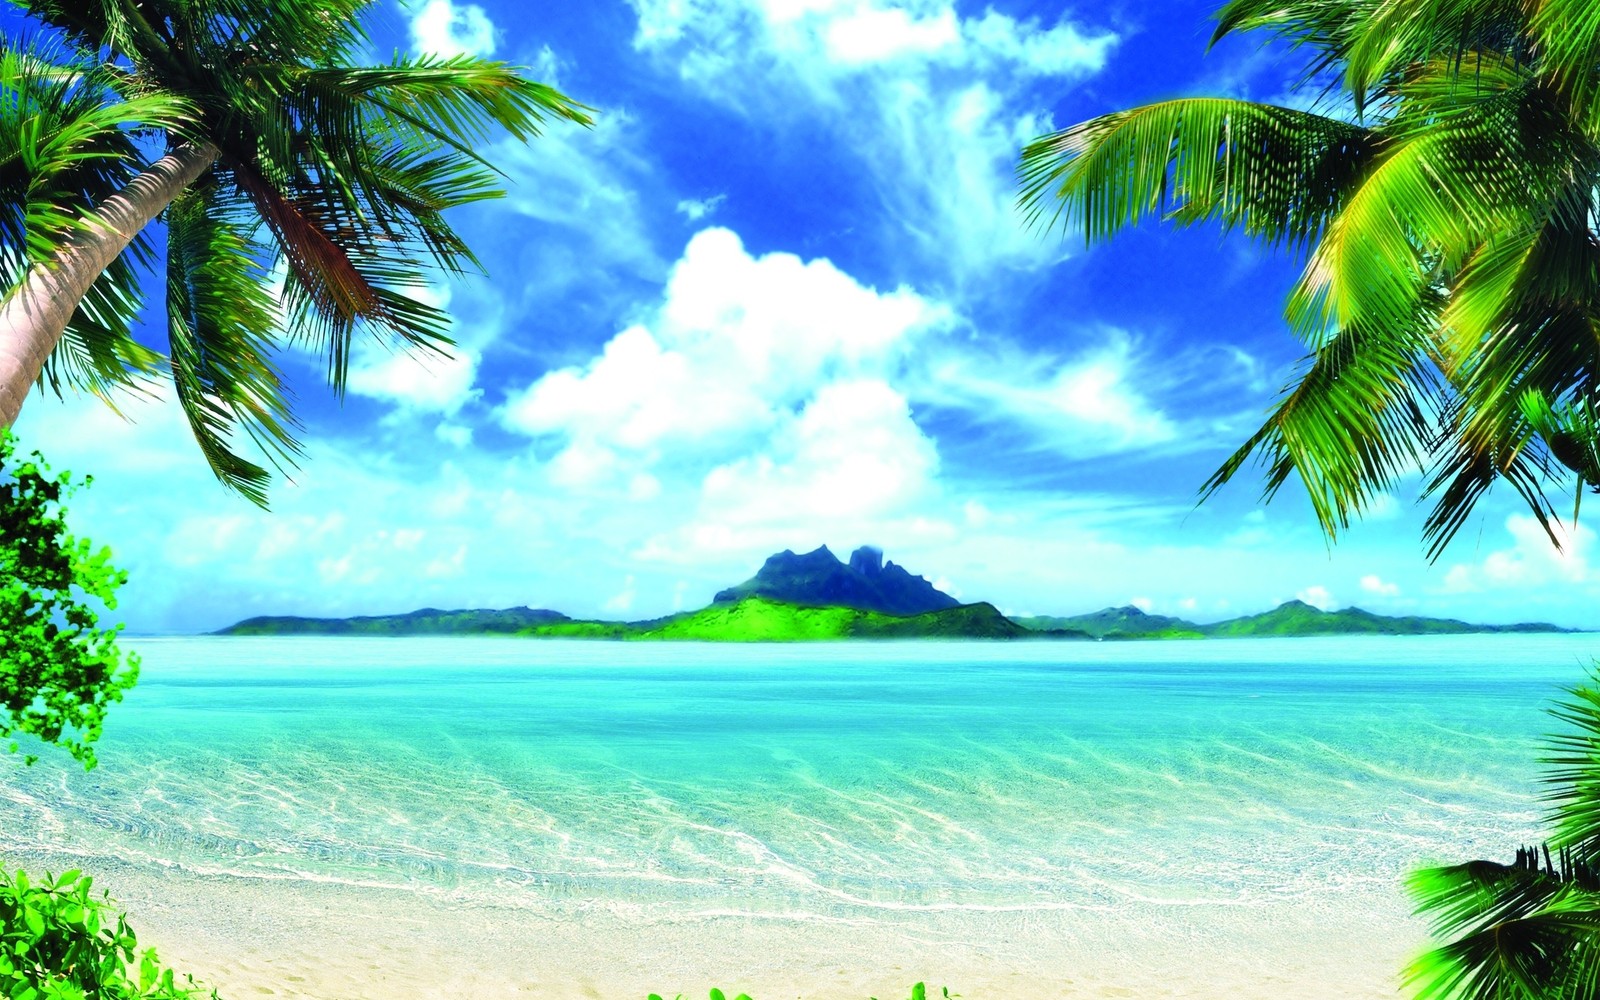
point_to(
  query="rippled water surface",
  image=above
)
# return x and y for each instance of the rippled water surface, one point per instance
(834, 782)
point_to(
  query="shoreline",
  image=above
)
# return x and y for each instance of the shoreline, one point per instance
(303, 940)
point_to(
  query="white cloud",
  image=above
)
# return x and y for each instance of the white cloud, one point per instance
(623, 601)
(1532, 561)
(695, 209)
(1084, 406)
(932, 104)
(738, 344)
(557, 186)
(415, 379)
(1372, 583)
(853, 455)
(1318, 597)
(445, 28)
(445, 567)
(870, 34)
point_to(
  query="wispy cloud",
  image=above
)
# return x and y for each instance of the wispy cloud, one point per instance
(932, 105)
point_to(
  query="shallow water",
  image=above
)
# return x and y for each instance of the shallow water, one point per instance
(1013, 805)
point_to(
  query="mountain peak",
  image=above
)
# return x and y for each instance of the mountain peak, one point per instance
(867, 560)
(1299, 605)
(818, 578)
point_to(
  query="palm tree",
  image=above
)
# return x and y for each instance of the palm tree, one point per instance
(271, 159)
(1529, 930)
(1443, 194)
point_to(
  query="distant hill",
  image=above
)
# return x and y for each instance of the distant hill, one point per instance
(1293, 618)
(819, 579)
(1118, 623)
(427, 621)
(759, 619)
(1300, 618)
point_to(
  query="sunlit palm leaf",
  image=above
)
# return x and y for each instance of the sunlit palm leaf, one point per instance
(341, 174)
(1357, 417)
(1277, 173)
(221, 320)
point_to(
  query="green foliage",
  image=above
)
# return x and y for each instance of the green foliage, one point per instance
(1442, 200)
(759, 619)
(59, 671)
(1528, 930)
(335, 177)
(57, 942)
(68, 140)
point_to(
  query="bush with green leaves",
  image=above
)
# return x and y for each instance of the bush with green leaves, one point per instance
(59, 670)
(57, 942)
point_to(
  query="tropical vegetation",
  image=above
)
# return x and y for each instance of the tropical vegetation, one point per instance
(59, 672)
(1528, 930)
(59, 942)
(302, 199)
(59, 669)
(1442, 191)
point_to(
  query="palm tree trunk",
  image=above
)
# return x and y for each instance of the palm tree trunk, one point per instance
(34, 316)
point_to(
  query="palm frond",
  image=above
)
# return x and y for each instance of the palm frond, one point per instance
(1573, 776)
(1277, 173)
(1357, 416)
(221, 321)
(1399, 35)
(66, 144)
(1480, 169)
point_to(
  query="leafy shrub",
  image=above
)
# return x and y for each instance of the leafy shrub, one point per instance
(57, 942)
(59, 671)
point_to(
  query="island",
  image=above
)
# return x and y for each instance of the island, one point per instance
(815, 596)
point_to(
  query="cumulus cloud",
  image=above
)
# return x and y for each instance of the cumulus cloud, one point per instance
(446, 28)
(739, 344)
(932, 104)
(1372, 583)
(1531, 561)
(853, 454)
(1318, 597)
(416, 379)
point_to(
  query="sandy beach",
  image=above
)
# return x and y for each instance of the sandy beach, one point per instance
(309, 941)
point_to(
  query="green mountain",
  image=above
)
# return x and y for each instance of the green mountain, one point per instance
(1294, 618)
(427, 621)
(1117, 623)
(760, 619)
(819, 579)
(1300, 618)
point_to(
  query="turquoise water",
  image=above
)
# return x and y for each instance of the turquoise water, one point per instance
(842, 783)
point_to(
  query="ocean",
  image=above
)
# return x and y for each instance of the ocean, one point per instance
(353, 818)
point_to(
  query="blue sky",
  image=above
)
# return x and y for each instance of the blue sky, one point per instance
(779, 297)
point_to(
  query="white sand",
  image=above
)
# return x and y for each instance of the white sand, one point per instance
(254, 938)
